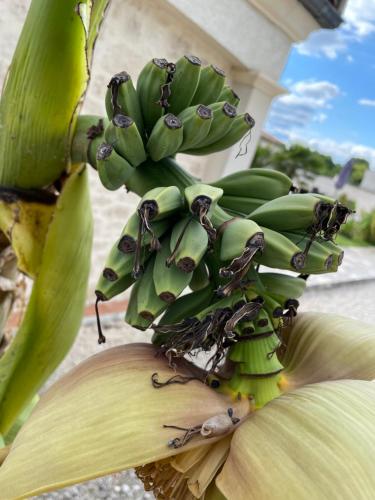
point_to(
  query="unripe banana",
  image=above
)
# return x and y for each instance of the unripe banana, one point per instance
(237, 235)
(166, 137)
(200, 278)
(184, 83)
(149, 305)
(126, 138)
(119, 264)
(121, 97)
(161, 202)
(188, 244)
(113, 170)
(223, 116)
(229, 95)
(132, 317)
(280, 252)
(106, 289)
(274, 310)
(129, 236)
(242, 124)
(233, 302)
(297, 212)
(319, 258)
(241, 204)
(202, 194)
(210, 85)
(170, 281)
(262, 183)
(283, 285)
(196, 122)
(337, 252)
(187, 306)
(149, 87)
(257, 356)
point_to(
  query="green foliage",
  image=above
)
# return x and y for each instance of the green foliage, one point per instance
(293, 158)
(358, 171)
(360, 230)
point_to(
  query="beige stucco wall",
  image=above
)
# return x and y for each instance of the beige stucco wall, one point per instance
(232, 34)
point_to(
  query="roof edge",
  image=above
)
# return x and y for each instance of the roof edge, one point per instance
(323, 12)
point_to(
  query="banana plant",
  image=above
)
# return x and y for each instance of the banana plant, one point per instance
(45, 212)
(285, 405)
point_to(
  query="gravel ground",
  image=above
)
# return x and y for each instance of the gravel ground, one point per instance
(354, 300)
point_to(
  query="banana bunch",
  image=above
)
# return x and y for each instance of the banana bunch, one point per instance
(174, 242)
(190, 253)
(174, 107)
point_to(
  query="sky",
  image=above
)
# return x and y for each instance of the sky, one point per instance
(330, 77)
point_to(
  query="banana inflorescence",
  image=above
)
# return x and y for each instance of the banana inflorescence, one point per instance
(191, 251)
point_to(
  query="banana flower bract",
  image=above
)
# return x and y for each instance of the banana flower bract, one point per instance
(315, 441)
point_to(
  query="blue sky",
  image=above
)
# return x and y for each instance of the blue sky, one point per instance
(331, 82)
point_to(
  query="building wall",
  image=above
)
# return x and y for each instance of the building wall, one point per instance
(249, 39)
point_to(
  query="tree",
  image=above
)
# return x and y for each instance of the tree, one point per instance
(296, 157)
(358, 171)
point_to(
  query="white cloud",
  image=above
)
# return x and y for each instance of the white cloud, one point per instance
(349, 58)
(366, 102)
(359, 18)
(320, 118)
(340, 151)
(305, 104)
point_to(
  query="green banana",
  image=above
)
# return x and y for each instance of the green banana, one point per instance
(337, 252)
(149, 89)
(223, 116)
(319, 258)
(124, 136)
(121, 97)
(297, 212)
(229, 95)
(233, 302)
(210, 84)
(187, 306)
(166, 137)
(262, 183)
(240, 204)
(238, 235)
(282, 286)
(106, 289)
(274, 310)
(202, 198)
(188, 244)
(118, 264)
(196, 122)
(200, 278)
(169, 282)
(129, 237)
(241, 125)
(160, 202)
(149, 304)
(184, 83)
(280, 252)
(131, 316)
(113, 170)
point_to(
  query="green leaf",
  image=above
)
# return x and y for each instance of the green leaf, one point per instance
(46, 82)
(55, 308)
(315, 443)
(105, 416)
(328, 347)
